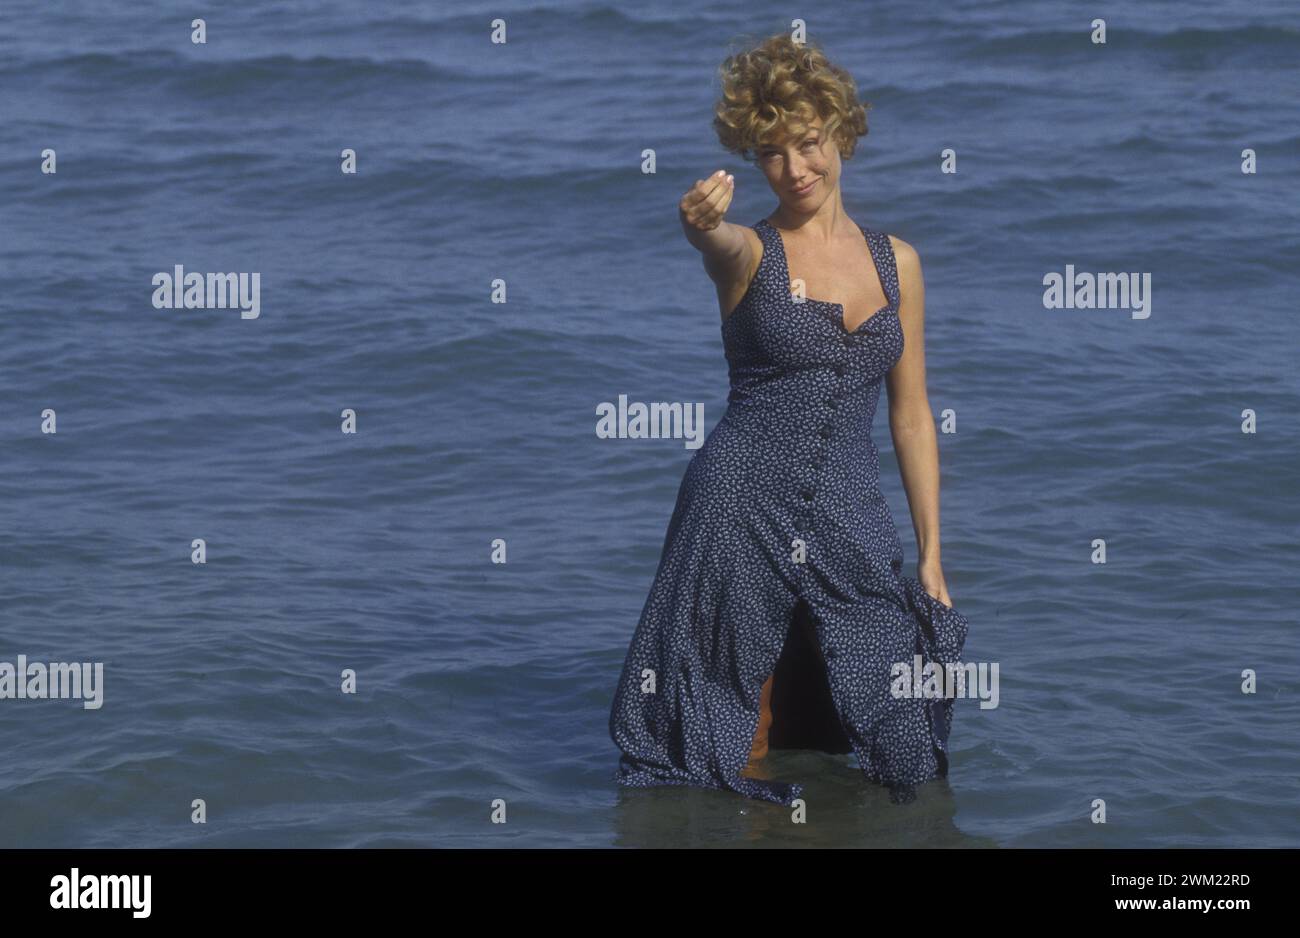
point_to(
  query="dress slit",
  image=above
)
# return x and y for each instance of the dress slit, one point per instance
(804, 715)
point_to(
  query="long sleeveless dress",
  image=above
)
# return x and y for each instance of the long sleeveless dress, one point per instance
(778, 513)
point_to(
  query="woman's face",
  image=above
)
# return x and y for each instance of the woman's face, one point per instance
(804, 170)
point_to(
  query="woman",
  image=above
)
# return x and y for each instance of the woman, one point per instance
(779, 614)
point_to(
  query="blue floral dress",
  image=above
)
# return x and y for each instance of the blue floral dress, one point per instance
(780, 513)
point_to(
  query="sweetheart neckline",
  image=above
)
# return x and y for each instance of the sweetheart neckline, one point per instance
(887, 308)
(839, 315)
(785, 265)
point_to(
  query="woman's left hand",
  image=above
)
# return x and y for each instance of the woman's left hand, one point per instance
(930, 575)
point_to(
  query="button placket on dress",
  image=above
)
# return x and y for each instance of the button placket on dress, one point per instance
(840, 369)
(818, 460)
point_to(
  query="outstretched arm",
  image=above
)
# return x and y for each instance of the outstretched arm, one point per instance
(727, 252)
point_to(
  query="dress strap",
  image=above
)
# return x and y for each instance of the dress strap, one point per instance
(882, 250)
(771, 249)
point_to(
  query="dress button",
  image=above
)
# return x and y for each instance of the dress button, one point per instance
(807, 495)
(833, 402)
(848, 341)
(839, 370)
(826, 433)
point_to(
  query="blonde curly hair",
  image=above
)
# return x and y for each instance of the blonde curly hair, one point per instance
(776, 89)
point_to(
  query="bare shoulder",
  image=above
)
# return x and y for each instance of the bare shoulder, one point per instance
(911, 285)
(905, 256)
(733, 280)
(755, 251)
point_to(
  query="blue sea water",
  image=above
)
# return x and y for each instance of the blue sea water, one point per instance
(476, 420)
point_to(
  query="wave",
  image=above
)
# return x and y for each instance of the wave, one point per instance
(1252, 40)
(187, 74)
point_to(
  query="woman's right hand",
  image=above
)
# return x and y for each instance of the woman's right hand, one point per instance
(704, 204)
